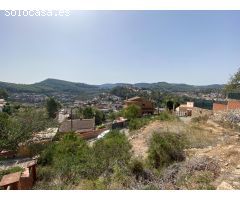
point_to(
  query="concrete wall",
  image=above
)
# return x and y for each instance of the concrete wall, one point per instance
(219, 107)
(233, 105)
(27, 180)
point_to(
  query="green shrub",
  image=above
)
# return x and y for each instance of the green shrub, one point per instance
(165, 148)
(137, 168)
(72, 159)
(137, 123)
(69, 158)
(46, 157)
(114, 149)
(132, 112)
(165, 116)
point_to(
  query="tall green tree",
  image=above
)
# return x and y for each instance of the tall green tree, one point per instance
(234, 83)
(11, 133)
(99, 117)
(88, 113)
(52, 107)
(132, 112)
(34, 120)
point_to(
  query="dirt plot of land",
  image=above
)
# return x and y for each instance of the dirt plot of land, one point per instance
(140, 139)
(226, 152)
(206, 139)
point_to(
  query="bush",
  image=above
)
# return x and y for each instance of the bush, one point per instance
(165, 116)
(132, 112)
(11, 133)
(137, 123)
(71, 159)
(46, 157)
(137, 168)
(114, 149)
(165, 148)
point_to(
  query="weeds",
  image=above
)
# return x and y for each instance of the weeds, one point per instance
(200, 119)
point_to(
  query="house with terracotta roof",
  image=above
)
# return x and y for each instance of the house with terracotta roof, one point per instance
(146, 106)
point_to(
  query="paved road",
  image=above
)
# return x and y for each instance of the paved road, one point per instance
(9, 163)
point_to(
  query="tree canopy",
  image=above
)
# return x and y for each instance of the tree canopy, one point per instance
(234, 83)
(11, 133)
(20, 126)
(132, 112)
(3, 94)
(52, 107)
(88, 112)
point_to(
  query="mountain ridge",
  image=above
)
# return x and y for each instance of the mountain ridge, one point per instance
(55, 85)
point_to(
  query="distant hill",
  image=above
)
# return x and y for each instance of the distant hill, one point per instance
(49, 86)
(168, 87)
(55, 85)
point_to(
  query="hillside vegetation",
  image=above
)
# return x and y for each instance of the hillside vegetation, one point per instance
(54, 85)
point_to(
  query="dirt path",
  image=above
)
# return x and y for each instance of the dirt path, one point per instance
(140, 139)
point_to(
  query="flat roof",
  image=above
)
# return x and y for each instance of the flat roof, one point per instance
(10, 179)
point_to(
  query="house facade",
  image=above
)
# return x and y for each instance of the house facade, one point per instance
(185, 109)
(146, 106)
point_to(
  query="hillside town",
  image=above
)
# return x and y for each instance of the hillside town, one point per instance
(69, 120)
(119, 100)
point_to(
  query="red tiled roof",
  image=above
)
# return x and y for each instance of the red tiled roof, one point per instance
(134, 99)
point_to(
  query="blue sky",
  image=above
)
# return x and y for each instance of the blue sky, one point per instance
(95, 47)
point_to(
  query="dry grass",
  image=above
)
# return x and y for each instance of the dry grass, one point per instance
(200, 137)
